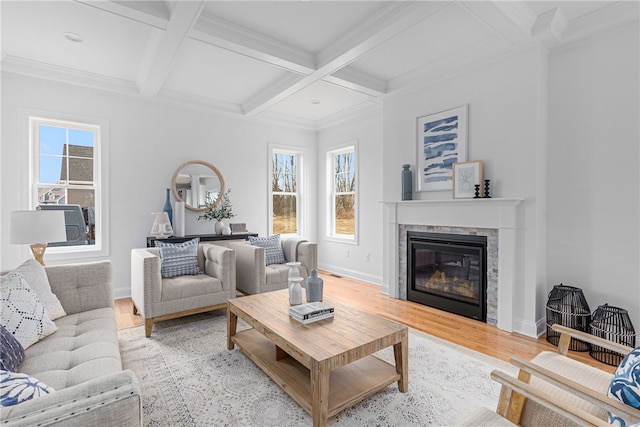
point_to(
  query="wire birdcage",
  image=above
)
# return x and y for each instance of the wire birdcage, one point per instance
(568, 307)
(613, 324)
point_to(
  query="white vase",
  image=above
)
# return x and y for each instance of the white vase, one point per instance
(217, 227)
(178, 219)
(226, 230)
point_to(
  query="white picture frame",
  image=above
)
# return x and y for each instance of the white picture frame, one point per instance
(466, 175)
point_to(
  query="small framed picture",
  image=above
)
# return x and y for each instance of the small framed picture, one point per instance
(466, 175)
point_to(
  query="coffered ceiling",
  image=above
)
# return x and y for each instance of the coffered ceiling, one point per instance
(304, 63)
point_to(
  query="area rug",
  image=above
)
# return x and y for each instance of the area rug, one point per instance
(189, 378)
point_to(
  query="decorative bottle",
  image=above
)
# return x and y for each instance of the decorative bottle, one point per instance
(407, 183)
(167, 206)
(295, 290)
(314, 285)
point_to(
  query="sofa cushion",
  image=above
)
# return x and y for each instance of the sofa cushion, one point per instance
(21, 312)
(35, 275)
(182, 287)
(16, 387)
(179, 259)
(272, 248)
(625, 384)
(84, 347)
(11, 351)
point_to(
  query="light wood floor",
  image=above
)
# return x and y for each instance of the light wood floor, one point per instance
(457, 329)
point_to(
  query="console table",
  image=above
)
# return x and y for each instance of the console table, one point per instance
(151, 241)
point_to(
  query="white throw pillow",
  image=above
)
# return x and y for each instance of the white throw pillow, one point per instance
(21, 312)
(16, 387)
(33, 272)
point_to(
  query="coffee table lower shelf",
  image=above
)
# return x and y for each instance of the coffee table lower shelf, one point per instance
(348, 384)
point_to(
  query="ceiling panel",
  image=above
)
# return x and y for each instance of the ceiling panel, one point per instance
(113, 46)
(450, 30)
(205, 70)
(308, 25)
(332, 99)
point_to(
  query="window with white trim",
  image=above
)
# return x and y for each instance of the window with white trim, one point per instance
(285, 191)
(342, 215)
(65, 177)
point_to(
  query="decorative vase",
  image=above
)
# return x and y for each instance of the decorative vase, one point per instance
(226, 230)
(314, 285)
(217, 227)
(167, 206)
(178, 225)
(295, 290)
(294, 271)
(407, 183)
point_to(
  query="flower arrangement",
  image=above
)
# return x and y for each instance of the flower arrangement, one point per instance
(220, 212)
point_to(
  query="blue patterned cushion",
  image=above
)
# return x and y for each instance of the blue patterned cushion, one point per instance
(11, 352)
(21, 312)
(625, 384)
(16, 387)
(179, 259)
(272, 249)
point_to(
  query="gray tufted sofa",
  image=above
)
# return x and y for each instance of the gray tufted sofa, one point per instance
(81, 360)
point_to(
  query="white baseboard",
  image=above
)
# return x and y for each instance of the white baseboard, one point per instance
(528, 329)
(358, 275)
(119, 293)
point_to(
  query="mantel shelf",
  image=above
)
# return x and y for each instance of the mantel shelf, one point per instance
(503, 201)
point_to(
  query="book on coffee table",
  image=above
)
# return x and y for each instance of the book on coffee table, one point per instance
(310, 312)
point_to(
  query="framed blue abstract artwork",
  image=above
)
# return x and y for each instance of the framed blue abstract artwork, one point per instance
(442, 141)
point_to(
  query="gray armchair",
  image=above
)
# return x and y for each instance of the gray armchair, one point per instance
(254, 276)
(157, 298)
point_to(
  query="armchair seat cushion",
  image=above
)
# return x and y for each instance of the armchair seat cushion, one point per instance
(182, 287)
(84, 347)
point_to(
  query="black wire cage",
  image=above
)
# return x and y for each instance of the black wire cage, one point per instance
(568, 307)
(613, 324)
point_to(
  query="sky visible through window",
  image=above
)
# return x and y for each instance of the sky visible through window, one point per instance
(51, 142)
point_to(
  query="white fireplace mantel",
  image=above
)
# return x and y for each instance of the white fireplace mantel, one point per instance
(500, 214)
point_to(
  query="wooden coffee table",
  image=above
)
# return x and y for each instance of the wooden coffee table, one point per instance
(325, 366)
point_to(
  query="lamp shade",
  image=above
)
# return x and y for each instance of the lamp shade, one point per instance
(29, 227)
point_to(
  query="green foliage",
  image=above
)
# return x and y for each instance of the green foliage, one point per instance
(222, 211)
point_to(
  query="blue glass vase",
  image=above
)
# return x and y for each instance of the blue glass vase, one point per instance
(167, 207)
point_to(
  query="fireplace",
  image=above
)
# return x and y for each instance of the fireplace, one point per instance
(448, 272)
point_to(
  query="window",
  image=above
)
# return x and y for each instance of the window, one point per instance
(65, 177)
(285, 189)
(341, 165)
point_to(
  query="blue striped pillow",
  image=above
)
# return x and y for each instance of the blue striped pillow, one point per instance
(11, 351)
(272, 248)
(179, 259)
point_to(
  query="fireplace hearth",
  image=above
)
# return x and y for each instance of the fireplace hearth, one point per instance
(448, 272)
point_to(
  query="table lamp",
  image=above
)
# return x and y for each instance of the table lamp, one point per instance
(37, 228)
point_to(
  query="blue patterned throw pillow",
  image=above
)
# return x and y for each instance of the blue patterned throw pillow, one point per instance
(179, 259)
(625, 384)
(272, 248)
(16, 387)
(11, 351)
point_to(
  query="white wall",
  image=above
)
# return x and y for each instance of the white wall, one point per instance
(332, 255)
(147, 141)
(593, 170)
(504, 131)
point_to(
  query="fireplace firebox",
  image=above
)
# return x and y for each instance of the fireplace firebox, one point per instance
(448, 272)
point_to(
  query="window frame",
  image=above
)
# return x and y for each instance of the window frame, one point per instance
(300, 203)
(99, 187)
(330, 194)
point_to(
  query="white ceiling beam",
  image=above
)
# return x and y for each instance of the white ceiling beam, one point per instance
(226, 35)
(223, 34)
(390, 21)
(183, 18)
(155, 14)
(511, 20)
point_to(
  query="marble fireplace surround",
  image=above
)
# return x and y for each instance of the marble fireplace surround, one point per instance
(458, 216)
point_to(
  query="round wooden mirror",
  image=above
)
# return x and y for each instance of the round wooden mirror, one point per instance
(198, 184)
